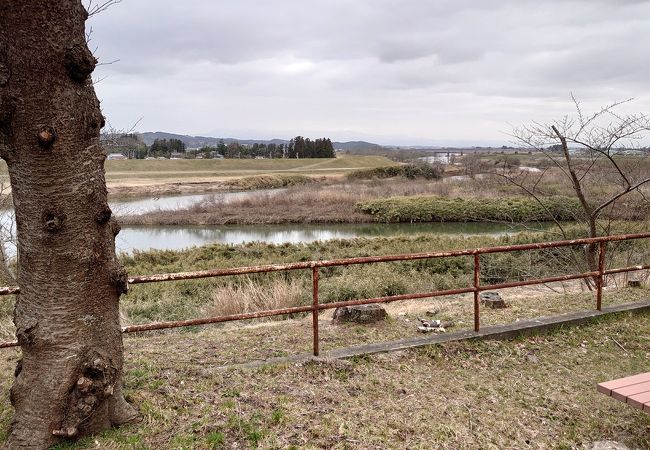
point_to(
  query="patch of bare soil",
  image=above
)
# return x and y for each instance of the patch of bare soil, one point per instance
(142, 188)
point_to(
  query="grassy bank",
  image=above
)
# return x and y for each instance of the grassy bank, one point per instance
(408, 171)
(535, 392)
(230, 295)
(326, 200)
(440, 209)
(268, 182)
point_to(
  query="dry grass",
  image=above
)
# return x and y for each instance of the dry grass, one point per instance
(293, 336)
(251, 297)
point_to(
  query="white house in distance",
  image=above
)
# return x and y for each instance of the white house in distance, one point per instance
(116, 156)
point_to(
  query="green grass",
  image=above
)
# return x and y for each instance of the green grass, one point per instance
(442, 209)
(267, 182)
(408, 171)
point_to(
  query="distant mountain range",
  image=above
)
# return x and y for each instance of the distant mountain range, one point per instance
(202, 141)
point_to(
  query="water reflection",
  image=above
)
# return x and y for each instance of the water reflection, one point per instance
(173, 202)
(180, 237)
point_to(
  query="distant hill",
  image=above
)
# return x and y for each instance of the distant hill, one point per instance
(201, 141)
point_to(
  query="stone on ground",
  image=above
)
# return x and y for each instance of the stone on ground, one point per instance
(492, 300)
(634, 283)
(360, 314)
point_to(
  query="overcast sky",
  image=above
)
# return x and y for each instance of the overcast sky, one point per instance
(389, 71)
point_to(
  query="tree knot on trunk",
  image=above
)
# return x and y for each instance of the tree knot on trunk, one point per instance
(53, 219)
(46, 137)
(97, 122)
(79, 62)
(88, 393)
(19, 368)
(25, 331)
(120, 278)
(104, 214)
(115, 227)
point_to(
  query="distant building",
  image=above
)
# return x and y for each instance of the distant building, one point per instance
(177, 156)
(116, 156)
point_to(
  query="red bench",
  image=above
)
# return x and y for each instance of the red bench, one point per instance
(634, 390)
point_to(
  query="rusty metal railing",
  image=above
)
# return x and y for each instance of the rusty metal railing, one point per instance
(314, 267)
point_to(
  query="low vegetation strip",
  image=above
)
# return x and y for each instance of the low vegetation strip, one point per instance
(440, 209)
(267, 182)
(408, 171)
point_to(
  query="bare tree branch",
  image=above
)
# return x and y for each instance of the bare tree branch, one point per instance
(94, 7)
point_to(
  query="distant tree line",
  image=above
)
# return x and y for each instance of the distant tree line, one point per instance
(298, 147)
(132, 146)
(165, 147)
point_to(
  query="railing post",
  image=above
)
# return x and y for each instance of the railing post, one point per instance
(477, 278)
(314, 277)
(601, 271)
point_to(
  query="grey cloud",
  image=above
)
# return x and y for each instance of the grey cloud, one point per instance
(364, 65)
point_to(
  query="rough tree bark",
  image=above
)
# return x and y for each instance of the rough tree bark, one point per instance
(68, 383)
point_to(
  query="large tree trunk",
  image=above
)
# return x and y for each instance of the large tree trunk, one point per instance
(68, 383)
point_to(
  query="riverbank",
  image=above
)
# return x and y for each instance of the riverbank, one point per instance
(322, 202)
(400, 199)
(234, 295)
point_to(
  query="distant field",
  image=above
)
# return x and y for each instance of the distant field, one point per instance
(139, 177)
(226, 168)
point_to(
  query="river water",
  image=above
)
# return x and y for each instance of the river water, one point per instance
(179, 237)
(144, 238)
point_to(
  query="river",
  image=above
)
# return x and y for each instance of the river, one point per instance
(143, 238)
(179, 237)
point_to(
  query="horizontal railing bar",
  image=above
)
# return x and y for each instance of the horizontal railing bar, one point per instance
(393, 298)
(217, 319)
(8, 344)
(220, 272)
(627, 269)
(538, 281)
